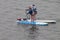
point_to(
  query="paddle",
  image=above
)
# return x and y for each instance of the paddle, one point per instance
(27, 14)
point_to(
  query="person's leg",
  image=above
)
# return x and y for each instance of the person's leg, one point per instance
(33, 17)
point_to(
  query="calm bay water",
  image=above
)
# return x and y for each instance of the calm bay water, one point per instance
(10, 10)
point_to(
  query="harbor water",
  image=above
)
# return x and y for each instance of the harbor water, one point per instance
(10, 10)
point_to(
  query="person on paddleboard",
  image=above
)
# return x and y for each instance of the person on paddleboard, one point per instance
(32, 11)
(34, 8)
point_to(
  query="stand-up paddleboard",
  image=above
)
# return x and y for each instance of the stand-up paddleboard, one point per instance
(36, 22)
(32, 23)
(46, 21)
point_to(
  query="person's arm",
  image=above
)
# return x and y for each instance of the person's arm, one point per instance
(27, 11)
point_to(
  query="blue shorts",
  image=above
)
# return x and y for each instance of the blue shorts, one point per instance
(30, 12)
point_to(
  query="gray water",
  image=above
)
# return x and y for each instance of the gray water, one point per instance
(10, 10)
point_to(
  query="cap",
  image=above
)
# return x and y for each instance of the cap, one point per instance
(33, 5)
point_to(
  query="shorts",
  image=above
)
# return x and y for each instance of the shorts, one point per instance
(35, 12)
(30, 12)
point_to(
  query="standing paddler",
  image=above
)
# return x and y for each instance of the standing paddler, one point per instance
(32, 11)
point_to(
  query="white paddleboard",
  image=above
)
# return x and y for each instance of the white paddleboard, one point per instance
(45, 21)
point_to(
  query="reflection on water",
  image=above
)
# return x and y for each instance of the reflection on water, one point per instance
(31, 31)
(10, 10)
